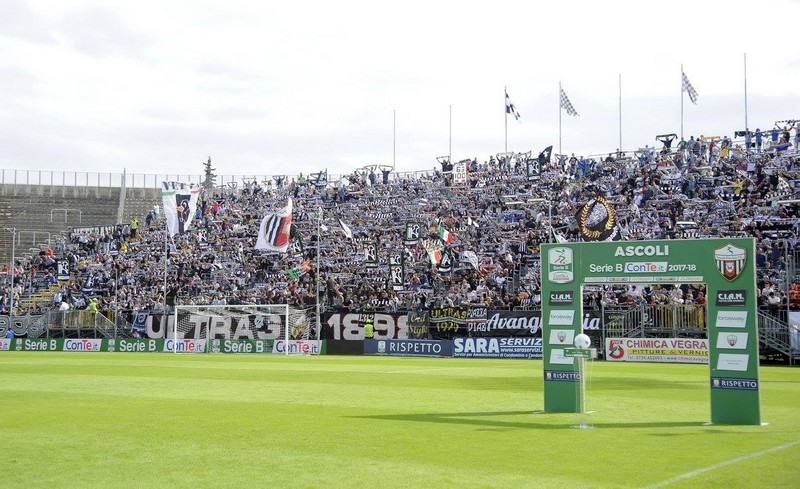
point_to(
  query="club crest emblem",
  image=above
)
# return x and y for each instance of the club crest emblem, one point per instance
(730, 261)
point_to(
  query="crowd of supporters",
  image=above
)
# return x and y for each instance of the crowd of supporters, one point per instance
(498, 216)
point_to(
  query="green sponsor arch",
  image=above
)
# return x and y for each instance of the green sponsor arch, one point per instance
(725, 266)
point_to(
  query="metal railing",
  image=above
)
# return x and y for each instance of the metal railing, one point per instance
(660, 319)
(776, 334)
(60, 178)
(78, 324)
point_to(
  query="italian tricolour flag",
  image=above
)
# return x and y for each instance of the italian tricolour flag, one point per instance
(445, 235)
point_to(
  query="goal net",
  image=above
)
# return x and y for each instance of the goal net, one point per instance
(272, 328)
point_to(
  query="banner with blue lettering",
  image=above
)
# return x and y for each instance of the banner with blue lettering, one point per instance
(491, 347)
(409, 348)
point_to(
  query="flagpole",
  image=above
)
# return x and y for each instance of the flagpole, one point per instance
(559, 117)
(166, 233)
(319, 250)
(620, 114)
(394, 139)
(681, 101)
(450, 141)
(746, 127)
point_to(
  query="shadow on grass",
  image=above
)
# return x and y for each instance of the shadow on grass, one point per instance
(558, 421)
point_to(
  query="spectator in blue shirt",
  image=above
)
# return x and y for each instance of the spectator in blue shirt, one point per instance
(759, 137)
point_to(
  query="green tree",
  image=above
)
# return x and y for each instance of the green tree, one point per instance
(210, 180)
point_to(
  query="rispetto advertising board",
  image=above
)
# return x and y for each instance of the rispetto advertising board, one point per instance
(497, 347)
(666, 350)
(409, 348)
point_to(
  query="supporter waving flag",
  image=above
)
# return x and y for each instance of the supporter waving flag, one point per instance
(445, 261)
(346, 229)
(397, 269)
(275, 230)
(472, 258)
(445, 235)
(597, 221)
(412, 233)
(180, 205)
(371, 254)
(296, 244)
(434, 249)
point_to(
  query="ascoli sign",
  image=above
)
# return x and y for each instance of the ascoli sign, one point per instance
(725, 266)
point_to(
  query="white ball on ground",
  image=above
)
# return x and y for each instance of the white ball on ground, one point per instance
(582, 341)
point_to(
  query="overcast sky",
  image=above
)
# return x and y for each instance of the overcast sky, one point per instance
(266, 87)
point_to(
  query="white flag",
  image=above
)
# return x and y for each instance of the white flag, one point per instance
(346, 230)
(180, 205)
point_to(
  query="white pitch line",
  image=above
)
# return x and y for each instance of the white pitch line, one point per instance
(695, 473)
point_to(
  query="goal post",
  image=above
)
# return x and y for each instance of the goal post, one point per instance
(215, 328)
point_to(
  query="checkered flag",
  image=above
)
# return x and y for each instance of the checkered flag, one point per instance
(688, 88)
(510, 109)
(566, 104)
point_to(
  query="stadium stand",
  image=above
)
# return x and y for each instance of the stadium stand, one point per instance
(706, 187)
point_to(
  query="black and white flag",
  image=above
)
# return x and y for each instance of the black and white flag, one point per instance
(511, 109)
(412, 233)
(397, 269)
(180, 205)
(688, 88)
(202, 239)
(446, 263)
(63, 269)
(371, 254)
(566, 104)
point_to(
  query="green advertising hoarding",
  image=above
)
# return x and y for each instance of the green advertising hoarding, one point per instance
(241, 346)
(131, 345)
(725, 266)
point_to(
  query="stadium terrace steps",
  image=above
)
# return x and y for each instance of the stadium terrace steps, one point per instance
(140, 201)
(5, 236)
(39, 212)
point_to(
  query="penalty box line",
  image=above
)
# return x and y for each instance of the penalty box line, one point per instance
(695, 473)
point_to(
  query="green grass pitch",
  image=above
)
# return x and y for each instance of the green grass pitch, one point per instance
(98, 420)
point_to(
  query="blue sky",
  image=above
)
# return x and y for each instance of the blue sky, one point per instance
(278, 88)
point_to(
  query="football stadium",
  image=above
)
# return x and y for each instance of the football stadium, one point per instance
(530, 321)
(544, 316)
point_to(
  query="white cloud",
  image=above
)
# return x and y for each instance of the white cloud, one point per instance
(299, 86)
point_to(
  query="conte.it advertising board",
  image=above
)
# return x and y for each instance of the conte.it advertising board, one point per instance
(725, 265)
(130, 345)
